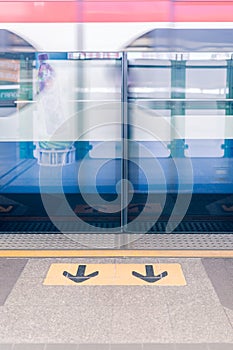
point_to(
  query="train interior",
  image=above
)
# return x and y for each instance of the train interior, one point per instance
(134, 141)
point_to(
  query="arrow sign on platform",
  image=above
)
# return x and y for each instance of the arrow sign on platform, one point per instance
(80, 275)
(150, 276)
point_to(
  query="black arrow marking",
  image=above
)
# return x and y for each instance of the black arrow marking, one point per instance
(80, 275)
(150, 276)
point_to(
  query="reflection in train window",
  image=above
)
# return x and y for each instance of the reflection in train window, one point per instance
(16, 73)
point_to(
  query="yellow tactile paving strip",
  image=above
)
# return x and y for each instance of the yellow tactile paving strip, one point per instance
(115, 274)
(117, 253)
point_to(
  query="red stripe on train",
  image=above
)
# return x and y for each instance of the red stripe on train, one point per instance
(115, 11)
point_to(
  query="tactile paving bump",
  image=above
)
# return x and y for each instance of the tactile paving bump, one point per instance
(53, 241)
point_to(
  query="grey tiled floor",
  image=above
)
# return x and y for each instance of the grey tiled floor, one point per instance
(195, 310)
(115, 317)
(10, 269)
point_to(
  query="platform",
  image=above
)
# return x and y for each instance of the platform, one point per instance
(39, 316)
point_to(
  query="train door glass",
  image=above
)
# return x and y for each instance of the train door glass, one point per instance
(66, 141)
(150, 167)
(79, 123)
(180, 148)
(99, 141)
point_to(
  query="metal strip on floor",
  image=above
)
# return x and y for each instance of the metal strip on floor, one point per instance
(115, 346)
(196, 227)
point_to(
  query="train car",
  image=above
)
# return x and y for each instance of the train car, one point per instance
(105, 25)
(112, 90)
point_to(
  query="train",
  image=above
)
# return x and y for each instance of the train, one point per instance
(135, 90)
(105, 25)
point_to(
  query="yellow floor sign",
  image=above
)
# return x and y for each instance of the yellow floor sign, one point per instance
(115, 274)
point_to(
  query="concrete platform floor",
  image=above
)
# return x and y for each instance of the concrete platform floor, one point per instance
(197, 316)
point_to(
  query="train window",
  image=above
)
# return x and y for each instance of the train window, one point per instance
(204, 148)
(151, 129)
(206, 80)
(16, 73)
(149, 87)
(149, 79)
(205, 85)
(209, 136)
(99, 80)
(99, 102)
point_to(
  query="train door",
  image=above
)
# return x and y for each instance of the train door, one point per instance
(180, 149)
(61, 150)
(152, 169)
(90, 187)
